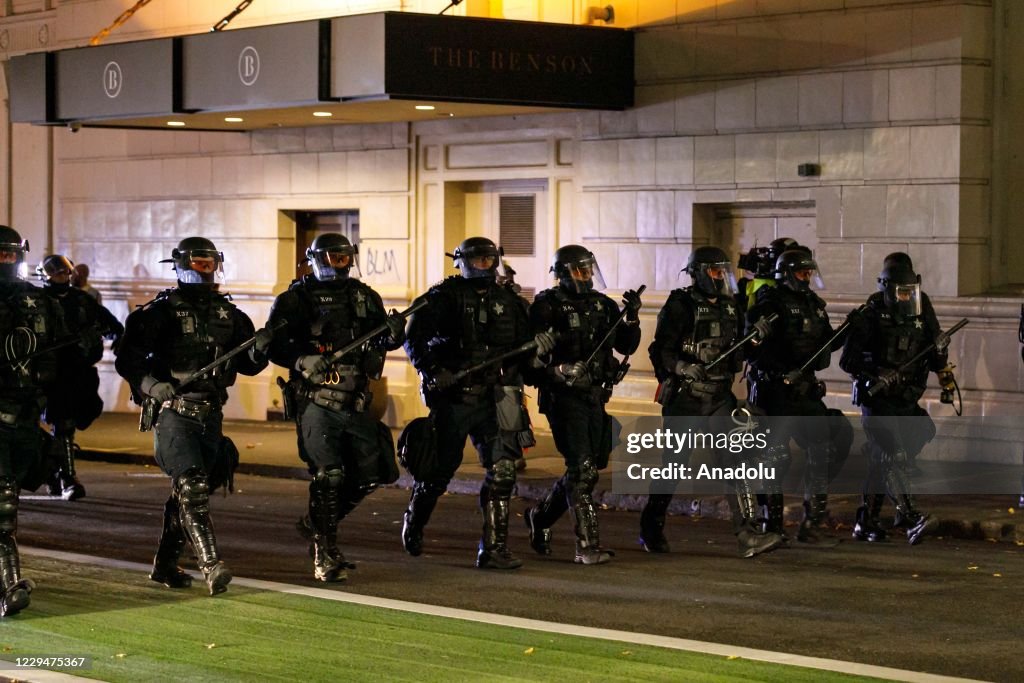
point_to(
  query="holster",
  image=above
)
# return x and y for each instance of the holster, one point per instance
(150, 413)
(288, 398)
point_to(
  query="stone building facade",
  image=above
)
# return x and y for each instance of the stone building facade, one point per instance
(909, 109)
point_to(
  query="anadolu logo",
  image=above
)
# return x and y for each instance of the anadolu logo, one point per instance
(248, 65)
(112, 79)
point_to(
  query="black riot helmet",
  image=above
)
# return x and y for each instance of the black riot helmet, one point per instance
(332, 257)
(760, 261)
(797, 270)
(477, 257)
(901, 288)
(711, 272)
(197, 262)
(898, 258)
(55, 272)
(577, 270)
(12, 253)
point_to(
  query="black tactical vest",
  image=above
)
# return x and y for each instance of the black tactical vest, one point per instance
(715, 328)
(900, 339)
(27, 324)
(199, 334)
(581, 322)
(806, 328)
(338, 316)
(492, 321)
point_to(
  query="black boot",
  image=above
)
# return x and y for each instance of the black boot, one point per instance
(194, 514)
(14, 590)
(868, 527)
(421, 505)
(775, 507)
(328, 563)
(814, 529)
(172, 543)
(652, 523)
(542, 516)
(588, 540)
(917, 524)
(70, 487)
(494, 552)
(751, 537)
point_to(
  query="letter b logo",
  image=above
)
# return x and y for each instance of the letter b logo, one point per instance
(248, 65)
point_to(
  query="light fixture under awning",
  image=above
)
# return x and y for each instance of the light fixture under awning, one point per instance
(361, 68)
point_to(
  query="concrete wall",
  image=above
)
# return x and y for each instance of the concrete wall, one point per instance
(894, 101)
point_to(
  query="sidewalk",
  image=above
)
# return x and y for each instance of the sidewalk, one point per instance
(269, 449)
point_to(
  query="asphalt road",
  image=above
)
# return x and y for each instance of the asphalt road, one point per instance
(947, 606)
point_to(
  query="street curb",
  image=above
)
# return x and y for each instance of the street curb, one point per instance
(715, 507)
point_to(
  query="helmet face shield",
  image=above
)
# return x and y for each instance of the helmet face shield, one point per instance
(55, 272)
(584, 276)
(12, 256)
(797, 270)
(714, 279)
(55, 268)
(807, 279)
(336, 262)
(478, 261)
(905, 299)
(200, 266)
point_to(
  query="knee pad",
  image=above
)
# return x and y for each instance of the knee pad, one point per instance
(584, 475)
(776, 456)
(193, 490)
(429, 489)
(8, 505)
(503, 478)
(327, 479)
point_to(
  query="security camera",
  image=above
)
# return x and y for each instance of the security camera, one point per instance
(74, 126)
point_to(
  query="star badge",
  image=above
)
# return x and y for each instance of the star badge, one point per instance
(30, 302)
(498, 308)
(222, 313)
(918, 324)
(730, 310)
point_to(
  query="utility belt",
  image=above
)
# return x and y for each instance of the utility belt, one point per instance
(597, 394)
(345, 378)
(193, 409)
(806, 387)
(713, 387)
(337, 400)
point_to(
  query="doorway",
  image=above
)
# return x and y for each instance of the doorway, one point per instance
(310, 224)
(512, 213)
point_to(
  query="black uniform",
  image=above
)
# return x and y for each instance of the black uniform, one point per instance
(575, 410)
(882, 340)
(29, 322)
(694, 330)
(343, 447)
(467, 321)
(780, 388)
(179, 332)
(75, 403)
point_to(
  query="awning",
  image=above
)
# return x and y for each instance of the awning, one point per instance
(387, 66)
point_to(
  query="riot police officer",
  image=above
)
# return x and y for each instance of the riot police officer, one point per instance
(179, 332)
(30, 323)
(696, 326)
(341, 444)
(781, 386)
(470, 319)
(760, 262)
(75, 403)
(895, 327)
(577, 383)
